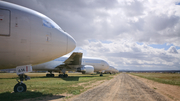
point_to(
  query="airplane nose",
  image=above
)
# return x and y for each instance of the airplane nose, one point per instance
(71, 44)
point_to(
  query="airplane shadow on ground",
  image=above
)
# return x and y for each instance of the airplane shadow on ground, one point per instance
(73, 78)
(69, 78)
(7, 96)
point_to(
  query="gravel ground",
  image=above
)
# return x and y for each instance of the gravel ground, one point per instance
(122, 88)
(171, 92)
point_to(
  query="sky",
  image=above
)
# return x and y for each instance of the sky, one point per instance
(128, 34)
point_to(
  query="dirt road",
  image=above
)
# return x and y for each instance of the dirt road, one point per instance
(122, 88)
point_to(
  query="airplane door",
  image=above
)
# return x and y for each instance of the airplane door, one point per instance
(4, 22)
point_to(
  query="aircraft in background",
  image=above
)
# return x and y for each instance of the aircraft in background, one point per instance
(115, 70)
(28, 38)
(74, 63)
(111, 70)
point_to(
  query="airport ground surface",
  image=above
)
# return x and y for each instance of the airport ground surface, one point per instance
(123, 87)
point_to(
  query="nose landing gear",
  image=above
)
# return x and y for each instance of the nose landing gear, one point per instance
(20, 86)
(20, 70)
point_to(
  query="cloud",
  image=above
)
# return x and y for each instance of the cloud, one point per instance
(143, 21)
(116, 21)
(126, 54)
(132, 7)
(172, 49)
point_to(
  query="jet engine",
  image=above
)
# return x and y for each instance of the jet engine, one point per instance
(87, 69)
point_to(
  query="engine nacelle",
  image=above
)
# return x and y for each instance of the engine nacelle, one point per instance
(87, 69)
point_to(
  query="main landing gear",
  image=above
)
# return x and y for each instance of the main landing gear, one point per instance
(50, 75)
(20, 86)
(101, 74)
(63, 75)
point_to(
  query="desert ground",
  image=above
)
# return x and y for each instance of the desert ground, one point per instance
(125, 87)
(78, 87)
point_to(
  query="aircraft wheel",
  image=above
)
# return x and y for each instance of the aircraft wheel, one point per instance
(51, 75)
(20, 87)
(101, 74)
(65, 75)
(60, 75)
(47, 75)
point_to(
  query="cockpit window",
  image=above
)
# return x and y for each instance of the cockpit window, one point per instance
(50, 24)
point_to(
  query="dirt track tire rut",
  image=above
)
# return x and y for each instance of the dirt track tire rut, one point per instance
(121, 88)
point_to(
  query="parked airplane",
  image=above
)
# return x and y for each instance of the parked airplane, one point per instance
(111, 70)
(114, 71)
(74, 63)
(28, 38)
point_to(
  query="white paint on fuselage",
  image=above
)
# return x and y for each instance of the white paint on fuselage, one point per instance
(111, 69)
(33, 37)
(98, 64)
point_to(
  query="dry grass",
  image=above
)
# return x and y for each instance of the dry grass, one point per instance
(167, 78)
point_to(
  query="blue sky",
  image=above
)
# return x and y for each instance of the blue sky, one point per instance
(178, 3)
(164, 46)
(128, 34)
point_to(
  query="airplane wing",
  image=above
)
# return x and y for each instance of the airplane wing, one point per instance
(74, 61)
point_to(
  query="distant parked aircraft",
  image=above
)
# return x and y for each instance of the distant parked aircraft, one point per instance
(73, 63)
(111, 70)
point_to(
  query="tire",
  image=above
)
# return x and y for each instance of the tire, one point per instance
(47, 75)
(20, 87)
(65, 75)
(60, 75)
(101, 75)
(51, 75)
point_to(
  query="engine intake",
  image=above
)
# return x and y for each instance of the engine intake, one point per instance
(87, 69)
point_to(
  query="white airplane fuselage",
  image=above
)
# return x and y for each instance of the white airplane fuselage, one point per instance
(28, 37)
(98, 64)
(111, 69)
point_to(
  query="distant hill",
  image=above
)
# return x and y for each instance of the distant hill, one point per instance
(168, 71)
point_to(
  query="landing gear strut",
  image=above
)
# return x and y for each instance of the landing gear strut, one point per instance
(20, 86)
(50, 75)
